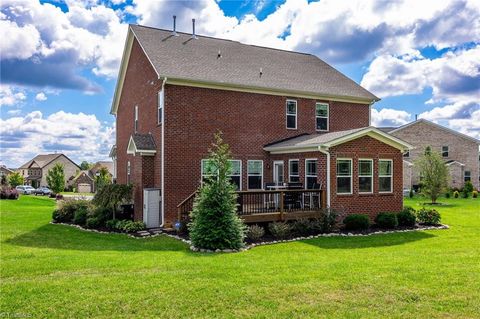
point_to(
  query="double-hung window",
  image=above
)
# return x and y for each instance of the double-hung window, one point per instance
(321, 116)
(467, 176)
(310, 173)
(161, 99)
(365, 176)
(128, 172)
(255, 174)
(444, 151)
(236, 173)
(344, 176)
(293, 171)
(291, 114)
(136, 119)
(385, 176)
(209, 170)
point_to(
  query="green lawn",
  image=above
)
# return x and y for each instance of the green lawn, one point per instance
(59, 271)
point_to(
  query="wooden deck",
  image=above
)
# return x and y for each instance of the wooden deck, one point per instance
(270, 206)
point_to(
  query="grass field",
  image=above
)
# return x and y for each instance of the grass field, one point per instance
(50, 271)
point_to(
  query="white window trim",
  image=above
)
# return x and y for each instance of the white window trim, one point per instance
(371, 175)
(135, 124)
(322, 117)
(287, 115)
(261, 176)
(351, 175)
(273, 169)
(448, 151)
(161, 102)
(201, 170)
(306, 171)
(289, 170)
(234, 160)
(465, 175)
(391, 176)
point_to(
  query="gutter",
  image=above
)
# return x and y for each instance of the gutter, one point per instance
(324, 150)
(162, 191)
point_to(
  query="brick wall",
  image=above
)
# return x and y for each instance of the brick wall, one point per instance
(248, 121)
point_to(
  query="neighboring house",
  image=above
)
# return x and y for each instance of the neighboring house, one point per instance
(459, 151)
(113, 156)
(4, 172)
(35, 171)
(287, 116)
(84, 181)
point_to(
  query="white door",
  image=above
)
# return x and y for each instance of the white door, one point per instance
(278, 172)
(151, 207)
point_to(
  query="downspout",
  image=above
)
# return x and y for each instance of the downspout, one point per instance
(327, 153)
(162, 183)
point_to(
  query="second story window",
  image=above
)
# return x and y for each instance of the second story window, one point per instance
(321, 116)
(136, 118)
(444, 151)
(161, 101)
(291, 114)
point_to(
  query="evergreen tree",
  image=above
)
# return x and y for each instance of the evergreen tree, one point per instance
(85, 166)
(434, 174)
(56, 178)
(215, 223)
(102, 178)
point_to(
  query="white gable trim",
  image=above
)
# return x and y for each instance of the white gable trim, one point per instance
(455, 162)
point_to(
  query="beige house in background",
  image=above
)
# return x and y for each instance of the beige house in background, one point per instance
(35, 171)
(460, 152)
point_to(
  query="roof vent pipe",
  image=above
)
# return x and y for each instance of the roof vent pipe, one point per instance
(194, 36)
(174, 32)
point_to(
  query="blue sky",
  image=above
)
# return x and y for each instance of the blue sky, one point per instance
(59, 60)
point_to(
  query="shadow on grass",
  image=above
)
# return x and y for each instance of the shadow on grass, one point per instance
(69, 238)
(381, 240)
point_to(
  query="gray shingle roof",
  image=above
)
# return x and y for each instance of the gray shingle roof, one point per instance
(42, 160)
(144, 142)
(181, 57)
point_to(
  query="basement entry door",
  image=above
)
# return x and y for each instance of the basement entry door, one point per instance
(152, 207)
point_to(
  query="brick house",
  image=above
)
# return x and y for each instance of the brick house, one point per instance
(35, 171)
(85, 182)
(459, 151)
(287, 116)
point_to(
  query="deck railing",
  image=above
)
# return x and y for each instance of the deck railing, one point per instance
(270, 205)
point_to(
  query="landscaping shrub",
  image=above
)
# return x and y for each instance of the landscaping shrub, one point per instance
(407, 217)
(455, 194)
(111, 224)
(92, 222)
(410, 193)
(327, 221)
(356, 222)
(428, 216)
(255, 232)
(80, 216)
(475, 194)
(279, 230)
(468, 187)
(465, 194)
(7, 193)
(386, 220)
(215, 223)
(447, 194)
(67, 209)
(131, 226)
(303, 227)
(112, 195)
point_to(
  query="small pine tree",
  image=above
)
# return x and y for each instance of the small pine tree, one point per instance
(15, 179)
(215, 223)
(56, 178)
(467, 189)
(434, 173)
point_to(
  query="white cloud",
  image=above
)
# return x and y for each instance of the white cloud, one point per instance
(389, 117)
(455, 76)
(41, 97)
(80, 136)
(18, 41)
(10, 95)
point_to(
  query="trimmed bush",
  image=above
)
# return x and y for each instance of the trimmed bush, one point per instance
(386, 220)
(66, 210)
(456, 194)
(92, 222)
(80, 217)
(255, 232)
(280, 230)
(302, 227)
(111, 224)
(356, 222)
(6, 193)
(410, 193)
(428, 216)
(447, 194)
(102, 214)
(407, 217)
(475, 194)
(327, 221)
(130, 226)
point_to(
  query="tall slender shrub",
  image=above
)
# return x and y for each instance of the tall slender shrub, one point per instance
(215, 223)
(434, 174)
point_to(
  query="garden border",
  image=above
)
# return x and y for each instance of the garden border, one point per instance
(156, 233)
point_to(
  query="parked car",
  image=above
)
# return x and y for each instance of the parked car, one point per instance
(25, 189)
(42, 191)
